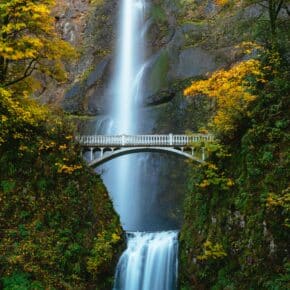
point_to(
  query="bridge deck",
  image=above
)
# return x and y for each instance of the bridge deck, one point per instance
(143, 140)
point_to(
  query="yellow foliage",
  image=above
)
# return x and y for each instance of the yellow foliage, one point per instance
(248, 47)
(97, 2)
(278, 202)
(28, 41)
(68, 169)
(205, 183)
(46, 145)
(115, 238)
(222, 2)
(27, 112)
(63, 147)
(230, 183)
(212, 251)
(103, 251)
(231, 90)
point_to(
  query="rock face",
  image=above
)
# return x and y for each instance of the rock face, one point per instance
(176, 51)
(71, 19)
(181, 44)
(88, 26)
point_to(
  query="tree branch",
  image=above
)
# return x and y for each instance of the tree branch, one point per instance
(29, 70)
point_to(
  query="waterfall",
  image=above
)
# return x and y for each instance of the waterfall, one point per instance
(126, 92)
(130, 58)
(150, 261)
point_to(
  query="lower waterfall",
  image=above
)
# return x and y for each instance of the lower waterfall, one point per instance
(149, 262)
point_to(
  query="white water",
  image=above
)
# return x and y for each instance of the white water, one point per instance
(150, 261)
(126, 89)
(130, 57)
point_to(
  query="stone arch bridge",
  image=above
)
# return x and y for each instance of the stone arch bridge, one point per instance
(103, 148)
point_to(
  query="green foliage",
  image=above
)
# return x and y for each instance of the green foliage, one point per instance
(20, 281)
(240, 199)
(53, 209)
(103, 251)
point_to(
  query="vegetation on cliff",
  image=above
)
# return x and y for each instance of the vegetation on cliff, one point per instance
(58, 229)
(236, 221)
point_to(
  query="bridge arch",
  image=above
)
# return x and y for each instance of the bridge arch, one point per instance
(130, 150)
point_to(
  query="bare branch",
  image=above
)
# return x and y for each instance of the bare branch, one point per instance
(29, 70)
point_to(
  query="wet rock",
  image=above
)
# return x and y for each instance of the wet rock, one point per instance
(97, 73)
(194, 62)
(163, 96)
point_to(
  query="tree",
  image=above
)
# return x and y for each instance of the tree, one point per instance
(29, 42)
(231, 90)
(273, 8)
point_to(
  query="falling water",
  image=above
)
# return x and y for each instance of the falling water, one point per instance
(150, 261)
(126, 90)
(130, 57)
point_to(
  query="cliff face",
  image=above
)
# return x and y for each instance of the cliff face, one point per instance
(183, 43)
(71, 21)
(178, 49)
(88, 26)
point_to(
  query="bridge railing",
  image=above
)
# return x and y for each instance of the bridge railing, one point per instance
(143, 140)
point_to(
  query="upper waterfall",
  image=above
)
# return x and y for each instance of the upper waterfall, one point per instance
(126, 91)
(126, 84)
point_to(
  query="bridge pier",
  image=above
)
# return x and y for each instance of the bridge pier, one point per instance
(91, 153)
(102, 152)
(203, 153)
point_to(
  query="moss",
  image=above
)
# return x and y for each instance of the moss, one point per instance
(160, 69)
(158, 14)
